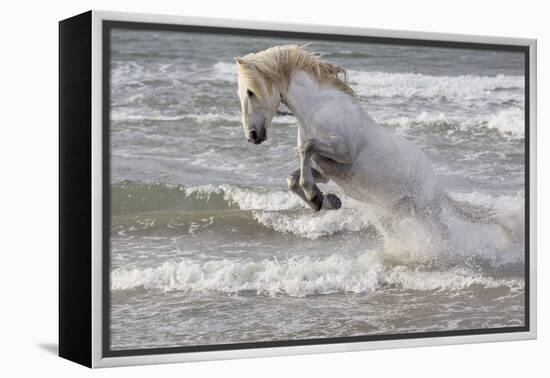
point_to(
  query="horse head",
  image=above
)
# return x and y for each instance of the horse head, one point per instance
(259, 101)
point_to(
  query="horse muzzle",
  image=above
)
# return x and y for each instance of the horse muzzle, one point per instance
(257, 137)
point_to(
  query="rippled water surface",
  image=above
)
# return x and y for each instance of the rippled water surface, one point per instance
(208, 246)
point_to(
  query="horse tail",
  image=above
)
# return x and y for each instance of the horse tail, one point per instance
(469, 212)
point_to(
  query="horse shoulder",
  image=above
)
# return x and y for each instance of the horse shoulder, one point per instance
(338, 114)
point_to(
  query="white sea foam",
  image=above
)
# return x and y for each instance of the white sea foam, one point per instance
(248, 199)
(286, 119)
(268, 209)
(298, 277)
(215, 117)
(234, 117)
(509, 122)
(144, 113)
(226, 71)
(124, 73)
(393, 264)
(314, 225)
(121, 115)
(507, 228)
(490, 88)
(498, 202)
(404, 238)
(383, 84)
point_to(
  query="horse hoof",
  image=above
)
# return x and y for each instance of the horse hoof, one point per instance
(331, 202)
(316, 202)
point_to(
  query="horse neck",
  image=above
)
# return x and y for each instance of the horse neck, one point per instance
(304, 96)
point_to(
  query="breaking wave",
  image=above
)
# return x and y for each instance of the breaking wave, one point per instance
(269, 206)
(301, 276)
(131, 198)
(509, 122)
(499, 88)
(257, 211)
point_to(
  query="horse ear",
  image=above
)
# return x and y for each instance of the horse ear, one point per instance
(241, 62)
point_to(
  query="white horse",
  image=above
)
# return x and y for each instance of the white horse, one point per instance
(337, 139)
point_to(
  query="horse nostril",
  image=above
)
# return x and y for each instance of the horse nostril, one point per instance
(253, 135)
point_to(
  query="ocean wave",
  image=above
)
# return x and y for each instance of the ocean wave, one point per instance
(248, 199)
(142, 113)
(147, 208)
(224, 71)
(509, 216)
(509, 122)
(301, 276)
(127, 73)
(175, 210)
(499, 88)
(496, 202)
(279, 210)
(215, 117)
(130, 198)
(130, 75)
(310, 225)
(345, 54)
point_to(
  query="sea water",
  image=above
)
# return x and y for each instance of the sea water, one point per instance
(209, 247)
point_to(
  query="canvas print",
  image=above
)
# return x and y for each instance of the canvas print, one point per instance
(267, 189)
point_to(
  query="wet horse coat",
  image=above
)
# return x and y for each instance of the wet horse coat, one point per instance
(337, 139)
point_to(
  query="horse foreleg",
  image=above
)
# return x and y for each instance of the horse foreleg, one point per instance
(333, 148)
(330, 201)
(293, 182)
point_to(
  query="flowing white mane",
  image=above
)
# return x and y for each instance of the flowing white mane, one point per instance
(277, 64)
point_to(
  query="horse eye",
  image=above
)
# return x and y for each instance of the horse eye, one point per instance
(249, 93)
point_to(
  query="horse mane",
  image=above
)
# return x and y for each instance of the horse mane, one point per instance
(276, 65)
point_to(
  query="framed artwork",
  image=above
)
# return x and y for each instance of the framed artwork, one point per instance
(232, 189)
